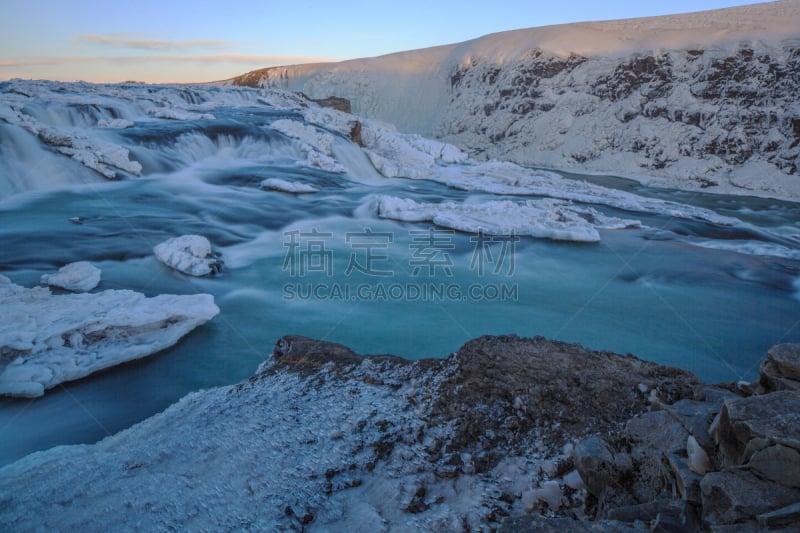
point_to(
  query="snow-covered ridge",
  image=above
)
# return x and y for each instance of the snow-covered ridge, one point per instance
(699, 101)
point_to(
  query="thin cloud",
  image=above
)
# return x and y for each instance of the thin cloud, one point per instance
(134, 43)
(248, 59)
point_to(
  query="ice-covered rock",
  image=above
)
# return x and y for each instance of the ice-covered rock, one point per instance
(277, 184)
(181, 114)
(81, 276)
(96, 154)
(549, 219)
(398, 155)
(190, 254)
(315, 143)
(46, 340)
(114, 123)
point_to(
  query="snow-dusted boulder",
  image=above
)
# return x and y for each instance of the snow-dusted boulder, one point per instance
(46, 340)
(294, 187)
(76, 277)
(190, 254)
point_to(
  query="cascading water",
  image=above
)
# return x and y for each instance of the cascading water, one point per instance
(689, 292)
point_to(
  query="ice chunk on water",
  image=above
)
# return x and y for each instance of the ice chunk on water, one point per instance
(76, 277)
(277, 184)
(46, 340)
(546, 218)
(190, 254)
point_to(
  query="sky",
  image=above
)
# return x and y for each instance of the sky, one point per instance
(199, 40)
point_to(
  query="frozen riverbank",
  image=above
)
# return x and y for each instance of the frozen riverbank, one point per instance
(491, 436)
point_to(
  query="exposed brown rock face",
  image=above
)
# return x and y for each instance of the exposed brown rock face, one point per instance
(502, 396)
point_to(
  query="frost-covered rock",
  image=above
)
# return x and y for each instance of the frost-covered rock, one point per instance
(46, 340)
(190, 254)
(277, 184)
(322, 437)
(76, 277)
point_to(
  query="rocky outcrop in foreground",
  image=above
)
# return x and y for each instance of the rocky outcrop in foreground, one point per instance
(506, 434)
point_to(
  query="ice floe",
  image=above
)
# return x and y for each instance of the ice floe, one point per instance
(546, 218)
(48, 339)
(190, 254)
(81, 276)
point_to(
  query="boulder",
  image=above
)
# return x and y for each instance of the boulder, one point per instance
(657, 432)
(735, 495)
(749, 424)
(781, 369)
(784, 517)
(777, 463)
(687, 482)
(696, 416)
(595, 463)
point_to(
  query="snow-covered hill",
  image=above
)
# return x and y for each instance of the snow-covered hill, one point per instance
(703, 100)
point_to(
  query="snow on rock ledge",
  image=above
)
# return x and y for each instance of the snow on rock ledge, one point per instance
(76, 277)
(46, 340)
(190, 254)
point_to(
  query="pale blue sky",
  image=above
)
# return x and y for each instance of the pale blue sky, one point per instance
(199, 40)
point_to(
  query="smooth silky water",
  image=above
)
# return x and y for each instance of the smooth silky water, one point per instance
(645, 291)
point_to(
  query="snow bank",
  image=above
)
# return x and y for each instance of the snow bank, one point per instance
(277, 184)
(548, 219)
(190, 254)
(46, 340)
(76, 277)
